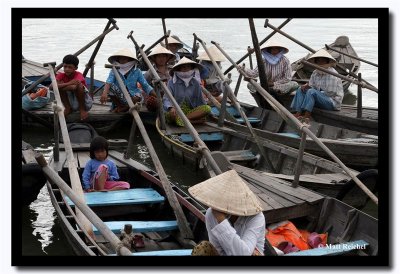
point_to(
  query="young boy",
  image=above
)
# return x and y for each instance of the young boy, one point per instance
(73, 90)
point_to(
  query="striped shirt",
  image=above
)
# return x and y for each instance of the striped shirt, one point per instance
(280, 74)
(329, 85)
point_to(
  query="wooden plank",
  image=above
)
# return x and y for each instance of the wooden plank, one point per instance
(171, 252)
(119, 157)
(240, 155)
(329, 250)
(83, 157)
(29, 156)
(122, 197)
(279, 185)
(316, 178)
(140, 226)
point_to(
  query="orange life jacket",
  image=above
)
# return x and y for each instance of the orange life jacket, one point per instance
(287, 232)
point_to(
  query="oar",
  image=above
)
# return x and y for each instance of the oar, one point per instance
(96, 49)
(260, 63)
(354, 81)
(302, 127)
(261, 43)
(165, 31)
(307, 47)
(83, 207)
(237, 106)
(44, 77)
(183, 224)
(351, 56)
(166, 35)
(72, 168)
(192, 131)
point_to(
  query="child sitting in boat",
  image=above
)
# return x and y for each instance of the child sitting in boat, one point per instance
(209, 74)
(101, 173)
(323, 90)
(160, 57)
(73, 89)
(186, 90)
(126, 61)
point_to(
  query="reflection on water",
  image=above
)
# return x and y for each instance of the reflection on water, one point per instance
(45, 218)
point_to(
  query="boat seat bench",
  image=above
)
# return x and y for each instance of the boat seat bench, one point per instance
(122, 197)
(206, 137)
(336, 249)
(140, 226)
(172, 252)
(240, 155)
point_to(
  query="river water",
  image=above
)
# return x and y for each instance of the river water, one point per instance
(41, 232)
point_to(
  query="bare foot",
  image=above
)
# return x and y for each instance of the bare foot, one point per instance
(84, 115)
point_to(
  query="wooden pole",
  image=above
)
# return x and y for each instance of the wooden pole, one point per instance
(56, 151)
(44, 77)
(129, 149)
(72, 168)
(351, 56)
(261, 43)
(359, 98)
(289, 116)
(172, 199)
(165, 31)
(237, 106)
(308, 48)
(53, 177)
(96, 49)
(250, 58)
(222, 111)
(192, 131)
(299, 161)
(354, 81)
(238, 84)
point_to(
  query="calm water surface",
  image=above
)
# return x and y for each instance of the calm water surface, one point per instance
(41, 232)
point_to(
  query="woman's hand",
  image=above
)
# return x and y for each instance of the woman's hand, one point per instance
(104, 97)
(220, 216)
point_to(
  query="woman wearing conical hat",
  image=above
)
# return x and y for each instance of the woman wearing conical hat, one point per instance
(209, 75)
(126, 61)
(186, 90)
(174, 45)
(277, 68)
(159, 57)
(234, 220)
(323, 90)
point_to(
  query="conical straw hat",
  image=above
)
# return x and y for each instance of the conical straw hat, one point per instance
(227, 193)
(172, 40)
(215, 54)
(183, 61)
(275, 43)
(122, 52)
(322, 53)
(161, 50)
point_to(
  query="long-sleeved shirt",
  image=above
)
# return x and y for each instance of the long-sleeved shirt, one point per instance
(329, 85)
(280, 74)
(247, 233)
(191, 94)
(91, 167)
(134, 76)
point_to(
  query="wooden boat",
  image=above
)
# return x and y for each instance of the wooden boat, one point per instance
(100, 116)
(347, 117)
(355, 149)
(33, 179)
(349, 64)
(317, 173)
